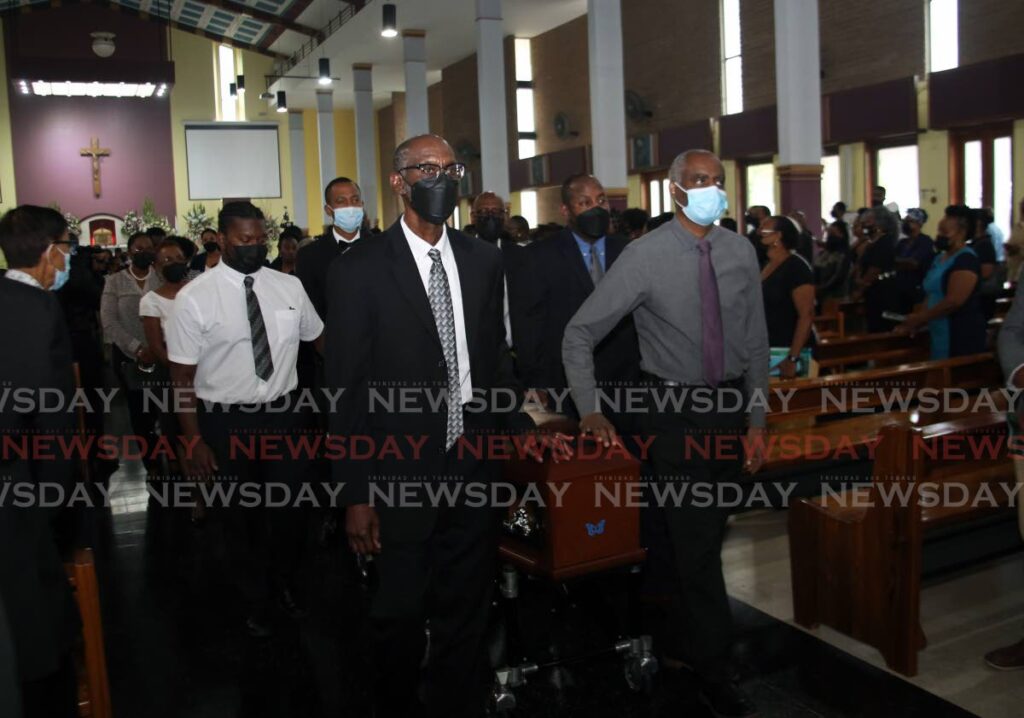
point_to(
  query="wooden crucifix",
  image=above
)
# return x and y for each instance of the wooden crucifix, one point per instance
(95, 152)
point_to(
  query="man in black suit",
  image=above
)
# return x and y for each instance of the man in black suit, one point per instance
(564, 271)
(421, 307)
(490, 217)
(34, 587)
(343, 204)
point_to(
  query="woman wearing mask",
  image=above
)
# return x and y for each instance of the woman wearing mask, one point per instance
(875, 273)
(210, 256)
(122, 327)
(914, 254)
(954, 315)
(787, 284)
(156, 308)
(832, 267)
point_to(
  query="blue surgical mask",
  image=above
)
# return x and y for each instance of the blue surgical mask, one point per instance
(348, 219)
(60, 276)
(705, 205)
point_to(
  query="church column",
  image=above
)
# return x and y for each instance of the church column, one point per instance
(366, 142)
(608, 97)
(417, 117)
(490, 71)
(297, 145)
(798, 95)
(325, 131)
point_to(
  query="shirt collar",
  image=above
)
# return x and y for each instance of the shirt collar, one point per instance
(585, 246)
(342, 240)
(19, 276)
(420, 247)
(688, 238)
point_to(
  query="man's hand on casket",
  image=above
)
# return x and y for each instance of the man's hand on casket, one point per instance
(558, 443)
(598, 426)
(363, 528)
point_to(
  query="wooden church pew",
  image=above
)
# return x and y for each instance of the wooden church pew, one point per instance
(884, 349)
(93, 685)
(856, 564)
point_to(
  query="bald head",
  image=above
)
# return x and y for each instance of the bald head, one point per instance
(415, 149)
(487, 203)
(694, 160)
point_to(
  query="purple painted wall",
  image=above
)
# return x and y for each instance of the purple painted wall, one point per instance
(48, 132)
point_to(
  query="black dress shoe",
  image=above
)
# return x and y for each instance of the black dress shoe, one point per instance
(726, 699)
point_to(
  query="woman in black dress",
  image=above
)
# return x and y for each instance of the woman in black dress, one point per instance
(874, 278)
(787, 283)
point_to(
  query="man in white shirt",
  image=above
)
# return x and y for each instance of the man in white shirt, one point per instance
(232, 342)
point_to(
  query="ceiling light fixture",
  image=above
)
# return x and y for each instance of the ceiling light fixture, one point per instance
(390, 27)
(282, 101)
(232, 89)
(103, 43)
(240, 84)
(325, 71)
(42, 88)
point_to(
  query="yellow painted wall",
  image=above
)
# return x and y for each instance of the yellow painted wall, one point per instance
(732, 188)
(634, 191)
(345, 143)
(314, 192)
(8, 198)
(193, 98)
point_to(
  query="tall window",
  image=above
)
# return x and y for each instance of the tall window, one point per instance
(732, 58)
(830, 191)
(659, 196)
(528, 207)
(525, 122)
(759, 185)
(227, 105)
(896, 170)
(943, 35)
(985, 158)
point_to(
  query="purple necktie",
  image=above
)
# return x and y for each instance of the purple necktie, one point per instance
(711, 342)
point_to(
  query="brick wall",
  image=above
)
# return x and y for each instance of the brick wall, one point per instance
(863, 43)
(561, 84)
(436, 112)
(673, 68)
(386, 131)
(462, 111)
(757, 20)
(990, 29)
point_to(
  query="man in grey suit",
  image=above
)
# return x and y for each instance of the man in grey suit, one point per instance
(1011, 357)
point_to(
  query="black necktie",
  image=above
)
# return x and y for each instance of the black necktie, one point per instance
(260, 343)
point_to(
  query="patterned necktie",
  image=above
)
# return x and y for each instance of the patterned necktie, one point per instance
(260, 343)
(596, 272)
(712, 344)
(444, 317)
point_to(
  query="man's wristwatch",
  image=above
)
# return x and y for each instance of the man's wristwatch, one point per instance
(794, 359)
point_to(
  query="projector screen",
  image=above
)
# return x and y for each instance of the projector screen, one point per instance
(232, 159)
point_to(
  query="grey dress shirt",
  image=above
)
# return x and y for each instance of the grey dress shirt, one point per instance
(119, 310)
(656, 278)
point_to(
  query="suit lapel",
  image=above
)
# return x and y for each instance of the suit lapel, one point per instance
(575, 261)
(407, 277)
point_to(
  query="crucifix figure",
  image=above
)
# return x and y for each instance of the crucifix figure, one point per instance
(95, 152)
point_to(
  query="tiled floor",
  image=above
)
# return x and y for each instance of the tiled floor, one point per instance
(176, 649)
(964, 614)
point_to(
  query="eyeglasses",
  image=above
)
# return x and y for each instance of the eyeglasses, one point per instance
(455, 170)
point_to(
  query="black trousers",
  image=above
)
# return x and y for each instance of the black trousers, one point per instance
(700, 622)
(143, 418)
(447, 580)
(263, 543)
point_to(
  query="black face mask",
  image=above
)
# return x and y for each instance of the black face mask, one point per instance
(211, 247)
(143, 259)
(593, 224)
(942, 243)
(246, 258)
(490, 228)
(175, 272)
(435, 200)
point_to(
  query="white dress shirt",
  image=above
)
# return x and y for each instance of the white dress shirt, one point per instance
(345, 242)
(209, 329)
(420, 249)
(508, 320)
(154, 305)
(19, 276)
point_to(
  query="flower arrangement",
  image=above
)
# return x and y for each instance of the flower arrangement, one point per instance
(74, 224)
(273, 228)
(196, 220)
(131, 224)
(151, 219)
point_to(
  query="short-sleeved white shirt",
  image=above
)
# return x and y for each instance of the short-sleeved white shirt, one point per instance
(210, 329)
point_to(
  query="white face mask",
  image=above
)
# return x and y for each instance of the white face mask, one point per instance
(705, 205)
(348, 219)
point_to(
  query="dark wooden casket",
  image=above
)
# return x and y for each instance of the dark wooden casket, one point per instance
(576, 528)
